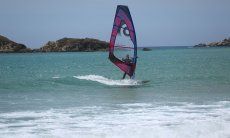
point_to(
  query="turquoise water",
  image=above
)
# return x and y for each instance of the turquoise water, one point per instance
(81, 95)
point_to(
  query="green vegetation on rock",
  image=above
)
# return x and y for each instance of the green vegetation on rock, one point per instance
(74, 45)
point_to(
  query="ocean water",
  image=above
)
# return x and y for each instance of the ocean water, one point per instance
(81, 95)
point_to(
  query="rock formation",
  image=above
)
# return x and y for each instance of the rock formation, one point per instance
(74, 44)
(61, 45)
(8, 46)
(146, 49)
(223, 43)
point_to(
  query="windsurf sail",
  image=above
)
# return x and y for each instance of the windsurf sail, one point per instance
(123, 41)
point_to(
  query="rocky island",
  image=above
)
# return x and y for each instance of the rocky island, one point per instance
(9, 46)
(75, 45)
(61, 45)
(146, 49)
(223, 43)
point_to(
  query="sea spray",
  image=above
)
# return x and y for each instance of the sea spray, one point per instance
(111, 82)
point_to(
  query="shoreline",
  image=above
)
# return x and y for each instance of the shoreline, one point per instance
(87, 45)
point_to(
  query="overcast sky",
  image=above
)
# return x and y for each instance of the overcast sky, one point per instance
(157, 22)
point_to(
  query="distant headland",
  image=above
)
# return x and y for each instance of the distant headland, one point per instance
(77, 45)
(223, 43)
(61, 45)
(8, 46)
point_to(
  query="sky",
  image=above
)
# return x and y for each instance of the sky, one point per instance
(157, 22)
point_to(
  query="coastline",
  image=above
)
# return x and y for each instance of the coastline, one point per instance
(61, 45)
(86, 45)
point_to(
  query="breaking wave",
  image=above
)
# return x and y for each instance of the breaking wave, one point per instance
(122, 120)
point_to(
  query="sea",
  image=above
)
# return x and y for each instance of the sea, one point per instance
(81, 95)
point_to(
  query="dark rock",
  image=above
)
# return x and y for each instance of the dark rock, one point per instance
(200, 45)
(146, 49)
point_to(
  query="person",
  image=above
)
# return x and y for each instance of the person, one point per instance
(127, 61)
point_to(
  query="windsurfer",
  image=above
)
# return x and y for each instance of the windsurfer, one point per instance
(123, 24)
(127, 61)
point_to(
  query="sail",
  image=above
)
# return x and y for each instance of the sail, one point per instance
(123, 41)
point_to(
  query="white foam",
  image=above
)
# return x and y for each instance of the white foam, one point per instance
(55, 77)
(127, 120)
(106, 81)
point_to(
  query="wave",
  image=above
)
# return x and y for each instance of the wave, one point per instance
(56, 77)
(123, 120)
(110, 82)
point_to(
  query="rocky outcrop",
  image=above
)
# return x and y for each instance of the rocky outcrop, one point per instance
(8, 46)
(61, 45)
(146, 49)
(223, 43)
(200, 45)
(75, 45)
